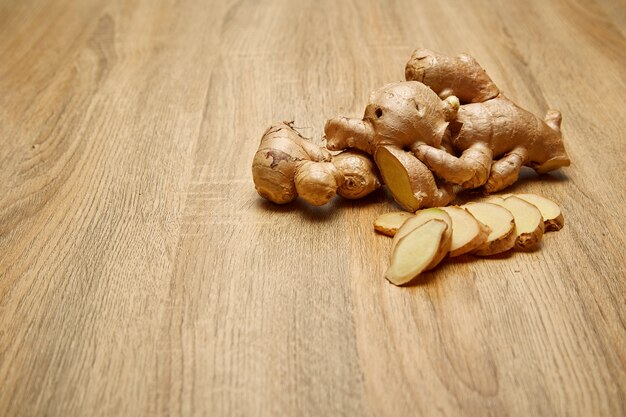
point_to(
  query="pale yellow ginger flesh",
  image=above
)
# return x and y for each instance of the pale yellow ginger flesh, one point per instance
(389, 223)
(397, 179)
(410, 182)
(550, 211)
(501, 223)
(417, 250)
(528, 221)
(421, 217)
(467, 232)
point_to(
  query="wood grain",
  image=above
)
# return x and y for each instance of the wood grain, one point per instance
(141, 275)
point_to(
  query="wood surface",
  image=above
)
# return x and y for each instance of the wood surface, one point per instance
(141, 275)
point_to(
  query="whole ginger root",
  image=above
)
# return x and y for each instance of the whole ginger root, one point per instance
(493, 136)
(287, 165)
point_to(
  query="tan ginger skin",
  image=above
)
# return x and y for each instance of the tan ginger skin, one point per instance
(287, 165)
(449, 106)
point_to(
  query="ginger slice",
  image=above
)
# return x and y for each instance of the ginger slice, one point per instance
(389, 223)
(501, 223)
(550, 211)
(467, 232)
(417, 250)
(528, 221)
(420, 218)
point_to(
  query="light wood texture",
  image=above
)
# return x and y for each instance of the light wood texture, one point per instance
(141, 275)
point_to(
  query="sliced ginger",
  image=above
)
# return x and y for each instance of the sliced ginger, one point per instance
(422, 240)
(422, 217)
(501, 223)
(467, 232)
(528, 221)
(550, 211)
(417, 250)
(389, 223)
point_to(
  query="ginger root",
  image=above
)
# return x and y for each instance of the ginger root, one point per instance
(493, 136)
(398, 116)
(459, 76)
(410, 182)
(451, 118)
(287, 165)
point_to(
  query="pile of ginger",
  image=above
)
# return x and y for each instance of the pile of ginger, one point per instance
(447, 128)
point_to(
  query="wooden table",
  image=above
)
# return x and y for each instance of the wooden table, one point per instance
(141, 274)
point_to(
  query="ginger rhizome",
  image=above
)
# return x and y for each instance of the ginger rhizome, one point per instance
(450, 118)
(493, 136)
(287, 165)
(359, 173)
(398, 116)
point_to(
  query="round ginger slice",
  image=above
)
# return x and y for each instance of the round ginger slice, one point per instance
(389, 223)
(550, 211)
(467, 232)
(528, 221)
(501, 223)
(416, 251)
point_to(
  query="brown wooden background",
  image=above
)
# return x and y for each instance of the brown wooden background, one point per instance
(141, 275)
